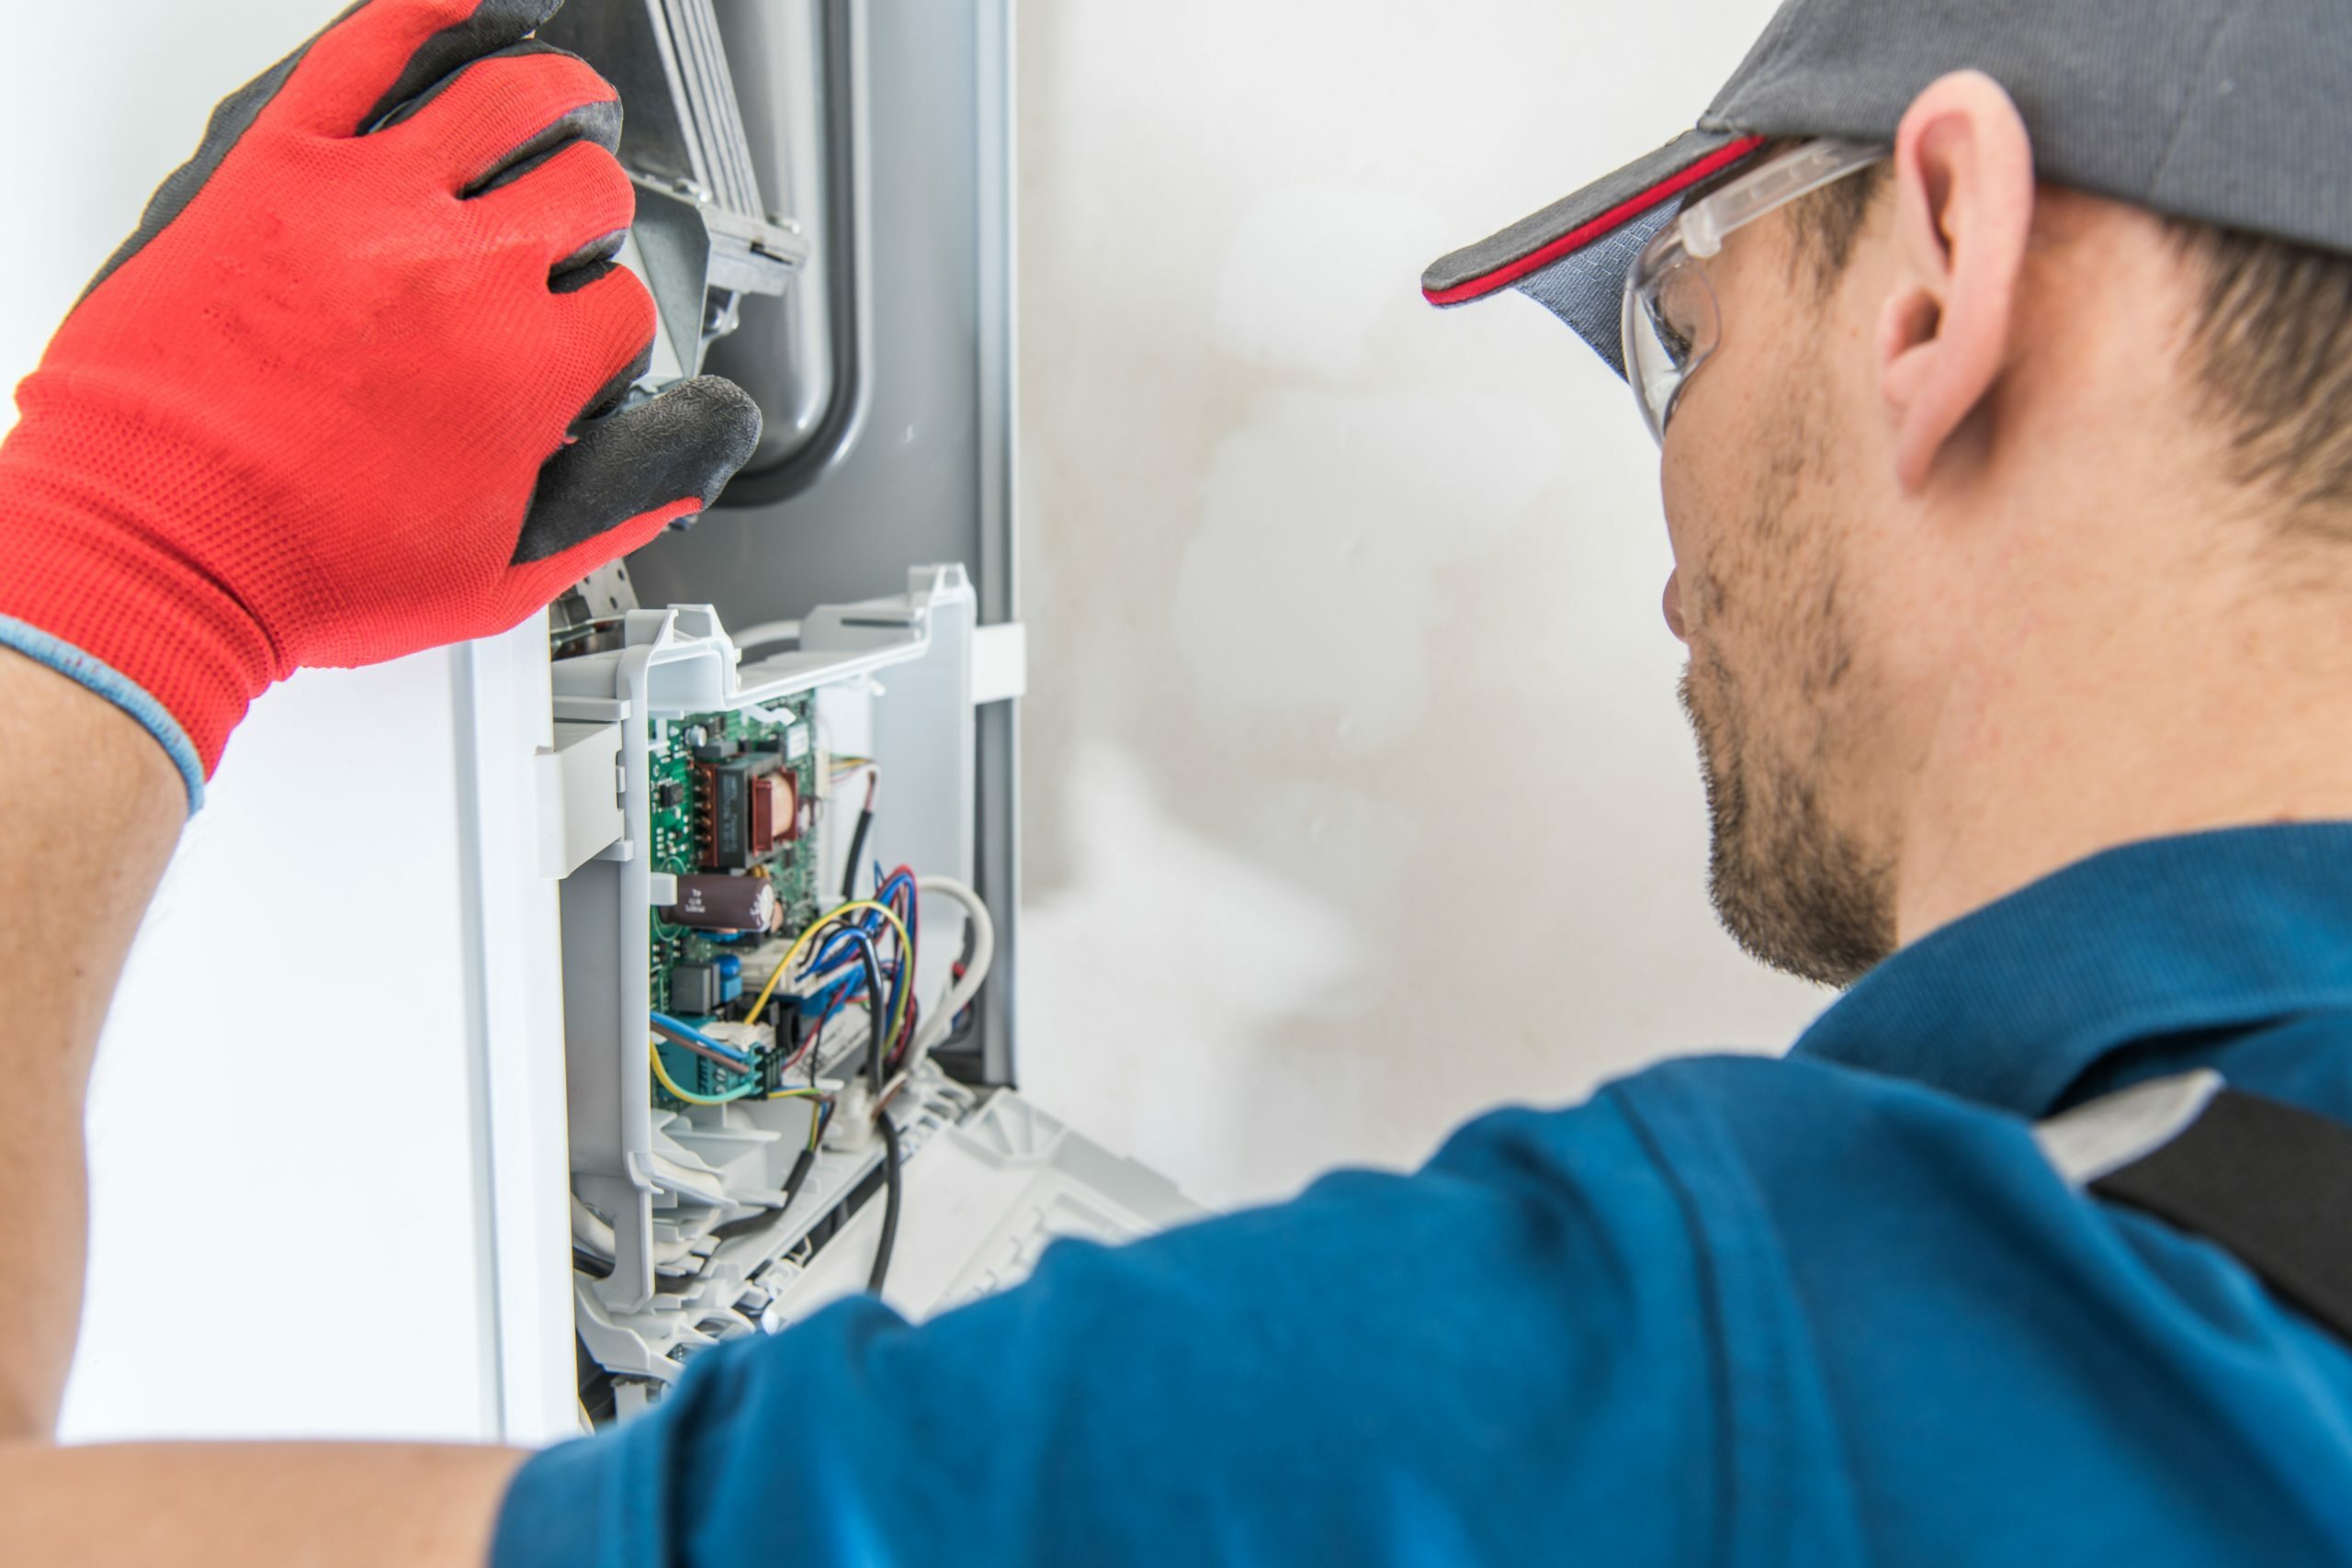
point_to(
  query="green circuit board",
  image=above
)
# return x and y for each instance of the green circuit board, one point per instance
(678, 778)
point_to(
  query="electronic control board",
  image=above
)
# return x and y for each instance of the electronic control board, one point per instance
(735, 803)
(773, 948)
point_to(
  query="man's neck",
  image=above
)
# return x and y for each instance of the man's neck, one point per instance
(2108, 714)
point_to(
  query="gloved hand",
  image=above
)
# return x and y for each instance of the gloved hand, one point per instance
(346, 393)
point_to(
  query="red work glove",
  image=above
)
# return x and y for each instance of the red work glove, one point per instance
(346, 393)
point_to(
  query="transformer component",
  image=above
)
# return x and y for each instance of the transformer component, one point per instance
(775, 811)
(748, 808)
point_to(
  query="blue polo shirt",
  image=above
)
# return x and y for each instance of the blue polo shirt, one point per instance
(1829, 1309)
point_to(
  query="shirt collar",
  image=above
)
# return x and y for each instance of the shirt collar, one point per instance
(2013, 1004)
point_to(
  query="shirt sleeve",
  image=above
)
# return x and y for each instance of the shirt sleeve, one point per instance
(1505, 1355)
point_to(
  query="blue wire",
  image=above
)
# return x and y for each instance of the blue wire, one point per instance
(826, 999)
(853, 961)
(848, 948)
(879, 1019)
(866, 923)
(826, 949)
(662, 1021)
(826, 964)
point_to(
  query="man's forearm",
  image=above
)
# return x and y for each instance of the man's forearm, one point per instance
(94, 807)
(206, 490)
(199, 1506)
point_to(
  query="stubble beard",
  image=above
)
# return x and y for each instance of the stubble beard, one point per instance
(1798, 887)
(1792, 889)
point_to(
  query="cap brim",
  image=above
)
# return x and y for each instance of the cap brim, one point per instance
(1573, 257)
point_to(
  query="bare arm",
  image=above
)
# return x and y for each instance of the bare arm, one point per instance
(226, 470)
(266, 1505)
(94, 804)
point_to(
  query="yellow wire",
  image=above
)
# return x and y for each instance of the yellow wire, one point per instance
(906, 959)
(654, 1055)
(898, 1023)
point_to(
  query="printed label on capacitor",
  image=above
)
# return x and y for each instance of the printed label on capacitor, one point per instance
(724, 903)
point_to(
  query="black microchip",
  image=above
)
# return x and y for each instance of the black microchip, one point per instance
(669, 794)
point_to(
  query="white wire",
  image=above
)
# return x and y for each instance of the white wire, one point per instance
(589, 1229)
(938, 1024)
(595, 1236)
(764, 633)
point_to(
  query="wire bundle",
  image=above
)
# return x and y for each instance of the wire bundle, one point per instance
(841, 959)
(860, 953)
(732, 1058)
(838, 961)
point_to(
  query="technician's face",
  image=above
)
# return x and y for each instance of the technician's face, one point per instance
(1765, 593)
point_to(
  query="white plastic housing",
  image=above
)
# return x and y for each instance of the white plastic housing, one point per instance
(898, 669)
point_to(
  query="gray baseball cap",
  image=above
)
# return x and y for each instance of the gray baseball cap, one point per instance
(2231, 112)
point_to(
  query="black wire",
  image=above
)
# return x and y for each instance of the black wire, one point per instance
(891, 1185)
(857, 853)
(876, 1008)
(799, 1171)
(788, 1022)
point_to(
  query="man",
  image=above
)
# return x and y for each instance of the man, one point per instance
(2008, 468)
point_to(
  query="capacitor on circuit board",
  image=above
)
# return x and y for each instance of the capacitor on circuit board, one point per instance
(715, 903)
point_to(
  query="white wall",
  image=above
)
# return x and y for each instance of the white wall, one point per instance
(285, 1231)
(1358, 798)
(1357, 794)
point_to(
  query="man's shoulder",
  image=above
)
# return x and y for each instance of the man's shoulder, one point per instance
(1798, 1110)
(1899, 1274)
(1794, 1170)
(1778, 1122)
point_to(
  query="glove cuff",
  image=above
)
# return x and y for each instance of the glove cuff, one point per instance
(117, 688)
(95, 592)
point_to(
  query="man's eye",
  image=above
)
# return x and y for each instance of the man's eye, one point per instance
(1677, 341)
(1679, 312)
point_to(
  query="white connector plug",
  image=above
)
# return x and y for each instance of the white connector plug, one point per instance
(852, 1129)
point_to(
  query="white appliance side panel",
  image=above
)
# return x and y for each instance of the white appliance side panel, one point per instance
(516, 990)
(286, 1224)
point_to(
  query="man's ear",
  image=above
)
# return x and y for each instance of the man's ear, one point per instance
(1963, 183)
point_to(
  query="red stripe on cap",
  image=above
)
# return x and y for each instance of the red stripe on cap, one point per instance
(1608, 222)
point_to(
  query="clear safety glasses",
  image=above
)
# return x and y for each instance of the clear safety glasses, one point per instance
(1671, 323)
